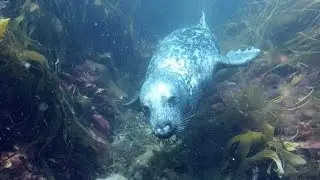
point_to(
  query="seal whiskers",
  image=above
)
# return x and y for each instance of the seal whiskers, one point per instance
(183, 122)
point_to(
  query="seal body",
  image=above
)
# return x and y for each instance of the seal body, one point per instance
(184, 62)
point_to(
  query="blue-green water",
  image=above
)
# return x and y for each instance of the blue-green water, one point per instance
(67, 67)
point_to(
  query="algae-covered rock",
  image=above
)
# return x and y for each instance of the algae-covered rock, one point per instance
(113, 177)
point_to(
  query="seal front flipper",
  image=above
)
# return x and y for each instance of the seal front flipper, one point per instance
(238, 58)
(135, 100)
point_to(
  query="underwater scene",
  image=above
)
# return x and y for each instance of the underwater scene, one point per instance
(159, 90)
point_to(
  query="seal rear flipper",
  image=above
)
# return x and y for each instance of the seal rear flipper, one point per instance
(238, 58)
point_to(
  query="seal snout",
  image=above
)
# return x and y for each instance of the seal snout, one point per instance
(164, 130)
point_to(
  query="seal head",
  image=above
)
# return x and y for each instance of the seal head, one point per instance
(164, 100)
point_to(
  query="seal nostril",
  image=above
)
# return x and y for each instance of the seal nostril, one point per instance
(164, 131)
(166, 128)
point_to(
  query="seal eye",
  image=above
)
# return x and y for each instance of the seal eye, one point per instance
(173, 100)
(146, 111)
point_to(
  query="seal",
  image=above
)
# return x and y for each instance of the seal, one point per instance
(182, 65)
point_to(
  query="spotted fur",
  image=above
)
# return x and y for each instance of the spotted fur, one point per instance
(183, 63)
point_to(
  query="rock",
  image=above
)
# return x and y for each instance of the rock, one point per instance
(308, 112)
(113, 177)
(170, 173)
(138, 176)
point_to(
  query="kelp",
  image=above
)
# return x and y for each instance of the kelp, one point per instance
(19, 45)
(57, 125)
(33, 55)
(269, 147)
(246, 140)
(288, 33)
(3, 27)
(37, 31)
(255, 148)
(29, 60)
(267, 154)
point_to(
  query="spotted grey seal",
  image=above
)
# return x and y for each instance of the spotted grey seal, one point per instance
(183, 63)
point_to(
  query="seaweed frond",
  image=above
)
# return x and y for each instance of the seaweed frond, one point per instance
(3, 27)
(269, 147)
